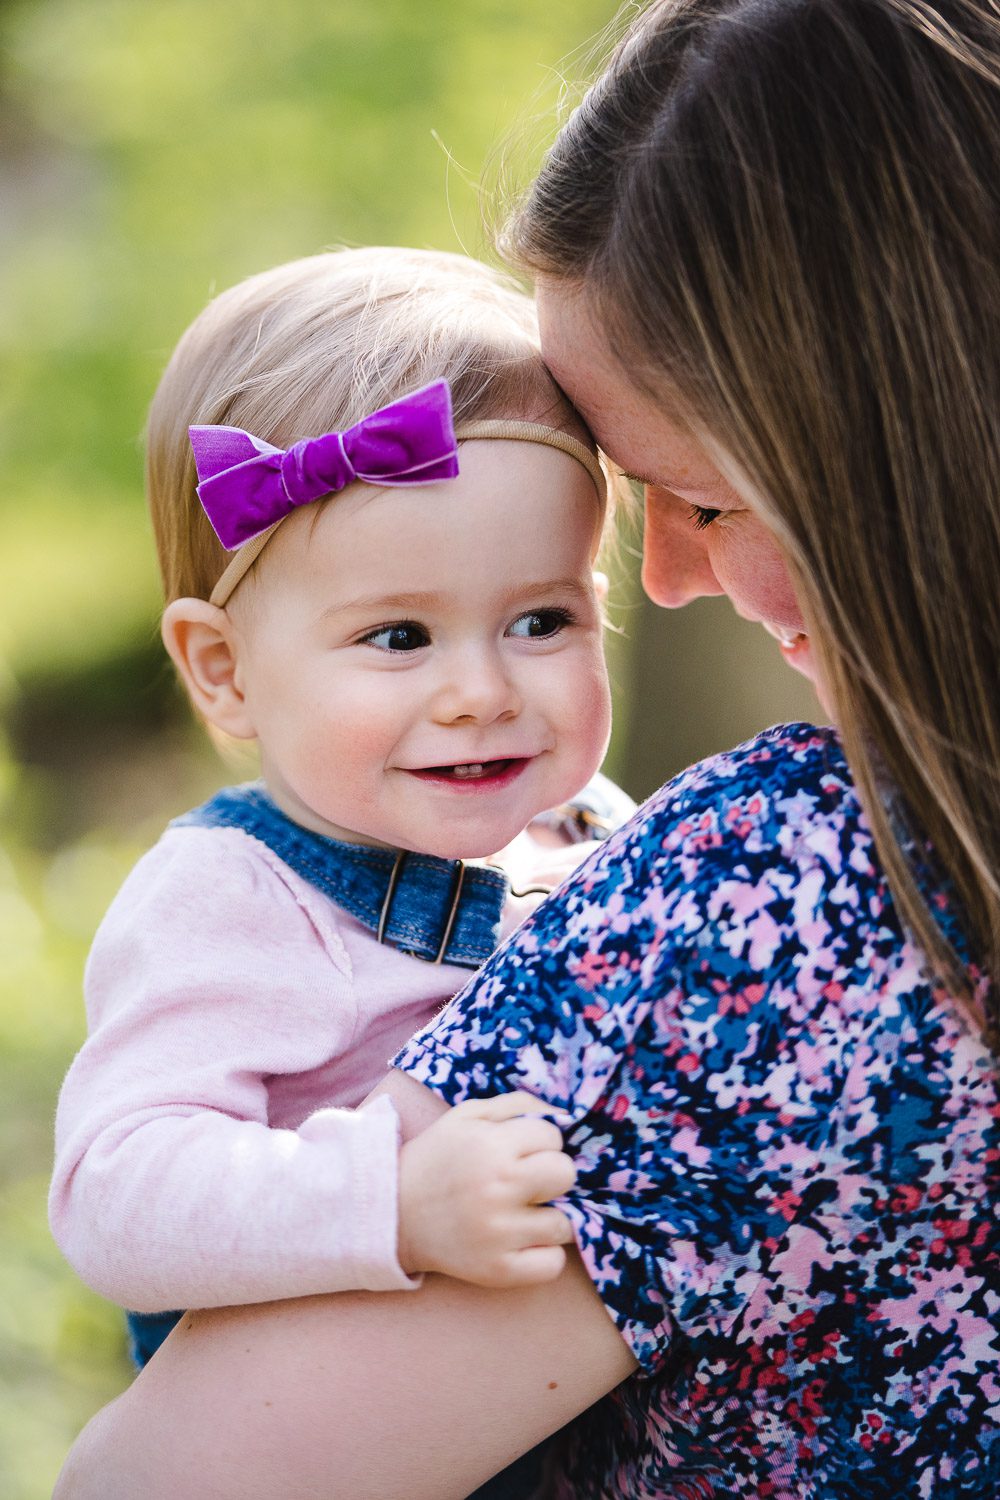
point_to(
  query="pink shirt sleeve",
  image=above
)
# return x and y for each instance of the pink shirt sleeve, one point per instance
(210, 975)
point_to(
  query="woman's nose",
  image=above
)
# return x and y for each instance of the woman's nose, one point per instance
(476, 686)
(676, 566)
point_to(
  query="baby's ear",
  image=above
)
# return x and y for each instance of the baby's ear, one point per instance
(601, 587)
(205, 648)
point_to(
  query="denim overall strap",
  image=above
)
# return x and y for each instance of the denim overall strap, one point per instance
(440, 910)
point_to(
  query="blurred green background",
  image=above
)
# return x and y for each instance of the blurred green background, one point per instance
(151, 154)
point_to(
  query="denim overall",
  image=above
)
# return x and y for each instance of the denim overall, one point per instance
(439, 910)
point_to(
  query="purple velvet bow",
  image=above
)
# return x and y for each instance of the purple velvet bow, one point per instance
(246, 484)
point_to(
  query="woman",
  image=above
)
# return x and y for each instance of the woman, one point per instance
(766, 248)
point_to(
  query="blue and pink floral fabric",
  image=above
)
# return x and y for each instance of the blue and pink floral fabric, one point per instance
(788, 1145)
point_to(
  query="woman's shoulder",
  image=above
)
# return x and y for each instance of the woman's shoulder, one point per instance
(746, 885)
(775, 808)
(751, 874)
(794, 772)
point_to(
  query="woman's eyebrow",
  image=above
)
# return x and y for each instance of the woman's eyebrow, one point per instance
(680, 488)
(641, 478)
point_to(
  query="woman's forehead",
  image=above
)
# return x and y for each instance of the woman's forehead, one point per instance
(625, 420)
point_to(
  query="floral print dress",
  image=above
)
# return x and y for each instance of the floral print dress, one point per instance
(787, 1141)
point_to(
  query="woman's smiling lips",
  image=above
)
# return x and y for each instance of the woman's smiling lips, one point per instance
(794, 646)
(474, 775)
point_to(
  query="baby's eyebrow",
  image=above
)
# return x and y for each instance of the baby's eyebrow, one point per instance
(523, 592)
(421, 602)
(387, 602)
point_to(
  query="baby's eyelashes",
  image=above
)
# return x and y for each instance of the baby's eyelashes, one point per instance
(399, 637)
(404, 635)
(538, 624)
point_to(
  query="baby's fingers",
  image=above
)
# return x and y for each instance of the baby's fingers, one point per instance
(528, 1267)
(543, 1226)
(545, 1175)
(528, 1137)
(511, 1107)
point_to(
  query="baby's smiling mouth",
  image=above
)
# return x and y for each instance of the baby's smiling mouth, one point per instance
(472, 770)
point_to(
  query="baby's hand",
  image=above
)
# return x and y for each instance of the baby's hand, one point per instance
(474, 1191)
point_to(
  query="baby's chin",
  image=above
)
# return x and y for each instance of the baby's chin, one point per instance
(474, 850)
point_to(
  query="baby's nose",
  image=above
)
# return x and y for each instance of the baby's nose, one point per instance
(478, 687)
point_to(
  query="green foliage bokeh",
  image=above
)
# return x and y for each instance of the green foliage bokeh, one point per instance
(157, 153)
(151, 154)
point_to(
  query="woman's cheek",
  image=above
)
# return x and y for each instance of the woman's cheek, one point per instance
(753, 574)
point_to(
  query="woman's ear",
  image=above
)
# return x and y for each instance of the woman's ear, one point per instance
(205, 648)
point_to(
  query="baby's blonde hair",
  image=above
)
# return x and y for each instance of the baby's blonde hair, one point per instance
(317, 344)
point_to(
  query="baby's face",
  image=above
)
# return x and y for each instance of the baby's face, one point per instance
(423, 667)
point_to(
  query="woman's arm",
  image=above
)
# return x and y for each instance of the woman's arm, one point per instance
(359, 1396)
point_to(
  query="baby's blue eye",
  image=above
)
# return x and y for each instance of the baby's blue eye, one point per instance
(405, 635)
(539, 624)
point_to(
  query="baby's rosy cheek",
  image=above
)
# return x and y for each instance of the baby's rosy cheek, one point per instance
(360, 735)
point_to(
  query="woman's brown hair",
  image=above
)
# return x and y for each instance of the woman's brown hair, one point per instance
(786, 215)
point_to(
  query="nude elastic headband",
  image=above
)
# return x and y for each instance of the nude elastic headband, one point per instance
(514, 431)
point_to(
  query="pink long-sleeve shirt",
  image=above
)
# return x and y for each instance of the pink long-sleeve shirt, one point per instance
(209, 1148)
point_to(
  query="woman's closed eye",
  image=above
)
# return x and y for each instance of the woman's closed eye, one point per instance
(702, 516)
(400, 636)
(540, 624)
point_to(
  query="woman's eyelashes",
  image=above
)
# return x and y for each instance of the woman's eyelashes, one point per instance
(702, 516)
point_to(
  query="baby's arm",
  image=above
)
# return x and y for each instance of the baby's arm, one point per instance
(474, 1191)
(171, 1188)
